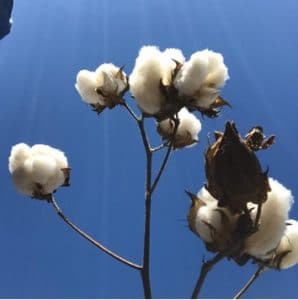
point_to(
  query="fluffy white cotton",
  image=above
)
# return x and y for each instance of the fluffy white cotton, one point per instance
(214, 224)
(107, 78)
(86, 86)
(288, 247)
(187, 132)
(175, 54)
(202, 76)
(37, 170)
(151, 68)
(274, 214)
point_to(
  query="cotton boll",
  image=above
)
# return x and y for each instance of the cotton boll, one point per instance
(213, 224)
(86, 86)
(272, 221)
(145, 79)
(288, 248)
(19, 153)
(111, 79)
(187, 131)
(41, 172)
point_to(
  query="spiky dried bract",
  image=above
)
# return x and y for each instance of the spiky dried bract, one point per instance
(286, 254)
(201, 78)
(274, 214)
(152, 68)
(234, 173)
(38, 171)
(187, 132)
(214, 225)
(103, 88)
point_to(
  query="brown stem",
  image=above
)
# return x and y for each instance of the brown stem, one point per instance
(90, 239)
(254, 277)
(145, 271)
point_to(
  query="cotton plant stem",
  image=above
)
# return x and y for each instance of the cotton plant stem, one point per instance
(90, 239)
(145, 271)
(254, 277)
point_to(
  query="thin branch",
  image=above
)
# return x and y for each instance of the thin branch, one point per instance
(131, 112)
(206, 267)
(145, 272)
(167, 155)
(90, 239)
(259, 271)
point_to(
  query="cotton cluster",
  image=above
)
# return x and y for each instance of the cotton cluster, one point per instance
(153, 68)
(187, 131)
(102, 88)
(213, 224)
(286, 254)
(38, 171)
(272, 221)
(201, 77)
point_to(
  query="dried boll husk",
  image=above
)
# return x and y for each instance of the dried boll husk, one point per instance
(234, 174)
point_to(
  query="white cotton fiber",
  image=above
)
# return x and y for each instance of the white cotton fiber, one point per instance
(288, 246)
(86, 86)
(274, 214)
(221, 222)
(38, 169)
(151, 68)
(174, 54)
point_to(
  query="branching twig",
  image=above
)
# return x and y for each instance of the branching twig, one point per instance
(90, 239)
(131, 112)
(160, 147)
(259, 271)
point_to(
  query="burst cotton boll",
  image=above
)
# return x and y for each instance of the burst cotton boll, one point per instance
(287, 251)
(213, 224)
(272, 221)
(187, 131)
(39, 170)
(151, 68)
(175, 54)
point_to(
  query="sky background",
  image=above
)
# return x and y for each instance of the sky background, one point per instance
(40, 257)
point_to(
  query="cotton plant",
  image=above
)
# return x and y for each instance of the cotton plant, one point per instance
(232, 213)
(38, 171)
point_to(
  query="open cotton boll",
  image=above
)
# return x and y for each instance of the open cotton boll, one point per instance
(288, 247)
(187, 131)
(274, 214)
(149, 70)
(214, 225)
(86, 85)
(41, 172)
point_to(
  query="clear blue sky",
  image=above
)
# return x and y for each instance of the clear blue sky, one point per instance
(49, 43)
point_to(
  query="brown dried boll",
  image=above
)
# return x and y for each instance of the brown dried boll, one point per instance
(234, 174)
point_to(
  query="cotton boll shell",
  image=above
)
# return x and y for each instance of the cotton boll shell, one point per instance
(272, 221)
(19, 153)
(288, 247)
(234, 173)
(86, 85)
